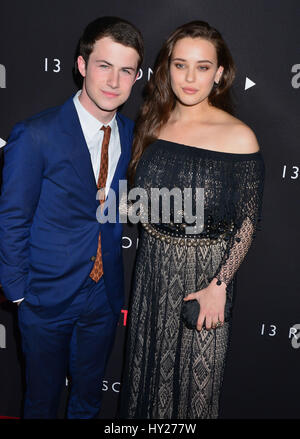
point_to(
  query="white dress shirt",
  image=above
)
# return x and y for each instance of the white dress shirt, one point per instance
(93, 135)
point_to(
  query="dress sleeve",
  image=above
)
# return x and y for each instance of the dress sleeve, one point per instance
(249, 185)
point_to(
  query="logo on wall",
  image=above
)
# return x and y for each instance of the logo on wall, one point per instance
(2, 76)
(249, 83)
(296, 336)
(127, 242)
(2, 142)
(141, 74)
(292, 332)
(2, 337)
(290, 172)
(52, 65)
(296, 78)
(123, 317)
(106, 386)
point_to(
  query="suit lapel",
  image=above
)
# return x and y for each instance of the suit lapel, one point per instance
(122, 159)
(79, 153)
(78, 150)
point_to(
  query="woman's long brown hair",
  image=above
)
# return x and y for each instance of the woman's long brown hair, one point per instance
(159, 97)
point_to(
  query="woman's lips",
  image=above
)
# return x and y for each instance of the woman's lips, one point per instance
(189, 91)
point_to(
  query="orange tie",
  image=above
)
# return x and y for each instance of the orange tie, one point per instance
(97, 270)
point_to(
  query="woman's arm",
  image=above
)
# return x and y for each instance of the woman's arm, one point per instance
(250, 183)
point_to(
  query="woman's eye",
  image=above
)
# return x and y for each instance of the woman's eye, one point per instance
(179, 66)
(204, 68)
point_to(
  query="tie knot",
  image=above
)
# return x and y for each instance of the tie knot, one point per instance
(106, 129)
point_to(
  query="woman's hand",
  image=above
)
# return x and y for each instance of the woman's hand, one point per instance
(212, 301)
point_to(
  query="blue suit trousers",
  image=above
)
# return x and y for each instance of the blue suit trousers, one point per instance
(76, 342)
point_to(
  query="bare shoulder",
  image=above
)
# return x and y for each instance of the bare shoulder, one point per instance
(239, 136)
(236, 136)
(242, 138)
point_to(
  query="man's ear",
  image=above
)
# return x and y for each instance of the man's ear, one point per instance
(81, 65)
(137, 76)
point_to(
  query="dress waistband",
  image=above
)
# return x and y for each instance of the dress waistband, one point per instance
(169, 235)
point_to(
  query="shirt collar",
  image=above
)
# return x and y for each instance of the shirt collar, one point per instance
(89, 124)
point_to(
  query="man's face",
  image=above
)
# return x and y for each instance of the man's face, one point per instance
(108, 76)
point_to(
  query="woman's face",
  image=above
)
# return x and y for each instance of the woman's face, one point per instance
(193, 70)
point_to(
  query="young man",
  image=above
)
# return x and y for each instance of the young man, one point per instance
(54, 253)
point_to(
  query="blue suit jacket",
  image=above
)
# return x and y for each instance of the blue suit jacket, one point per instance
(48, 226)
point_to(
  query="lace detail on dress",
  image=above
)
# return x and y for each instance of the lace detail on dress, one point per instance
(171, 371)
(248, 214)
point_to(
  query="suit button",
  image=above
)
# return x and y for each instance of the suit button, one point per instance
(93, 258)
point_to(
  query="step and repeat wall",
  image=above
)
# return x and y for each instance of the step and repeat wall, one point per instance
(38, 41)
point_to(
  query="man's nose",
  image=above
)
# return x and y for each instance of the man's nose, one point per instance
(113, 79)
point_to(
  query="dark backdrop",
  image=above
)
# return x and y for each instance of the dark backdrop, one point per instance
(38, 41)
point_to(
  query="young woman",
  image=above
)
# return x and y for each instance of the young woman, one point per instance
(186, 137)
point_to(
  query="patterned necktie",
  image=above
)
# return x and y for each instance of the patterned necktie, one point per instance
(97, 270)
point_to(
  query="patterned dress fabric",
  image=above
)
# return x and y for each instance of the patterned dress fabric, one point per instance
(172, 371)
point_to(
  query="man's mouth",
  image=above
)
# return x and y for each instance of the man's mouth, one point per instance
(110, 94)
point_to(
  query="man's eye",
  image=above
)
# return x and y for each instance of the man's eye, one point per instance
(128, 71)
(103, 66)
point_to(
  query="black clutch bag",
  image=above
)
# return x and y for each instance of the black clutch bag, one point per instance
(190, 313)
